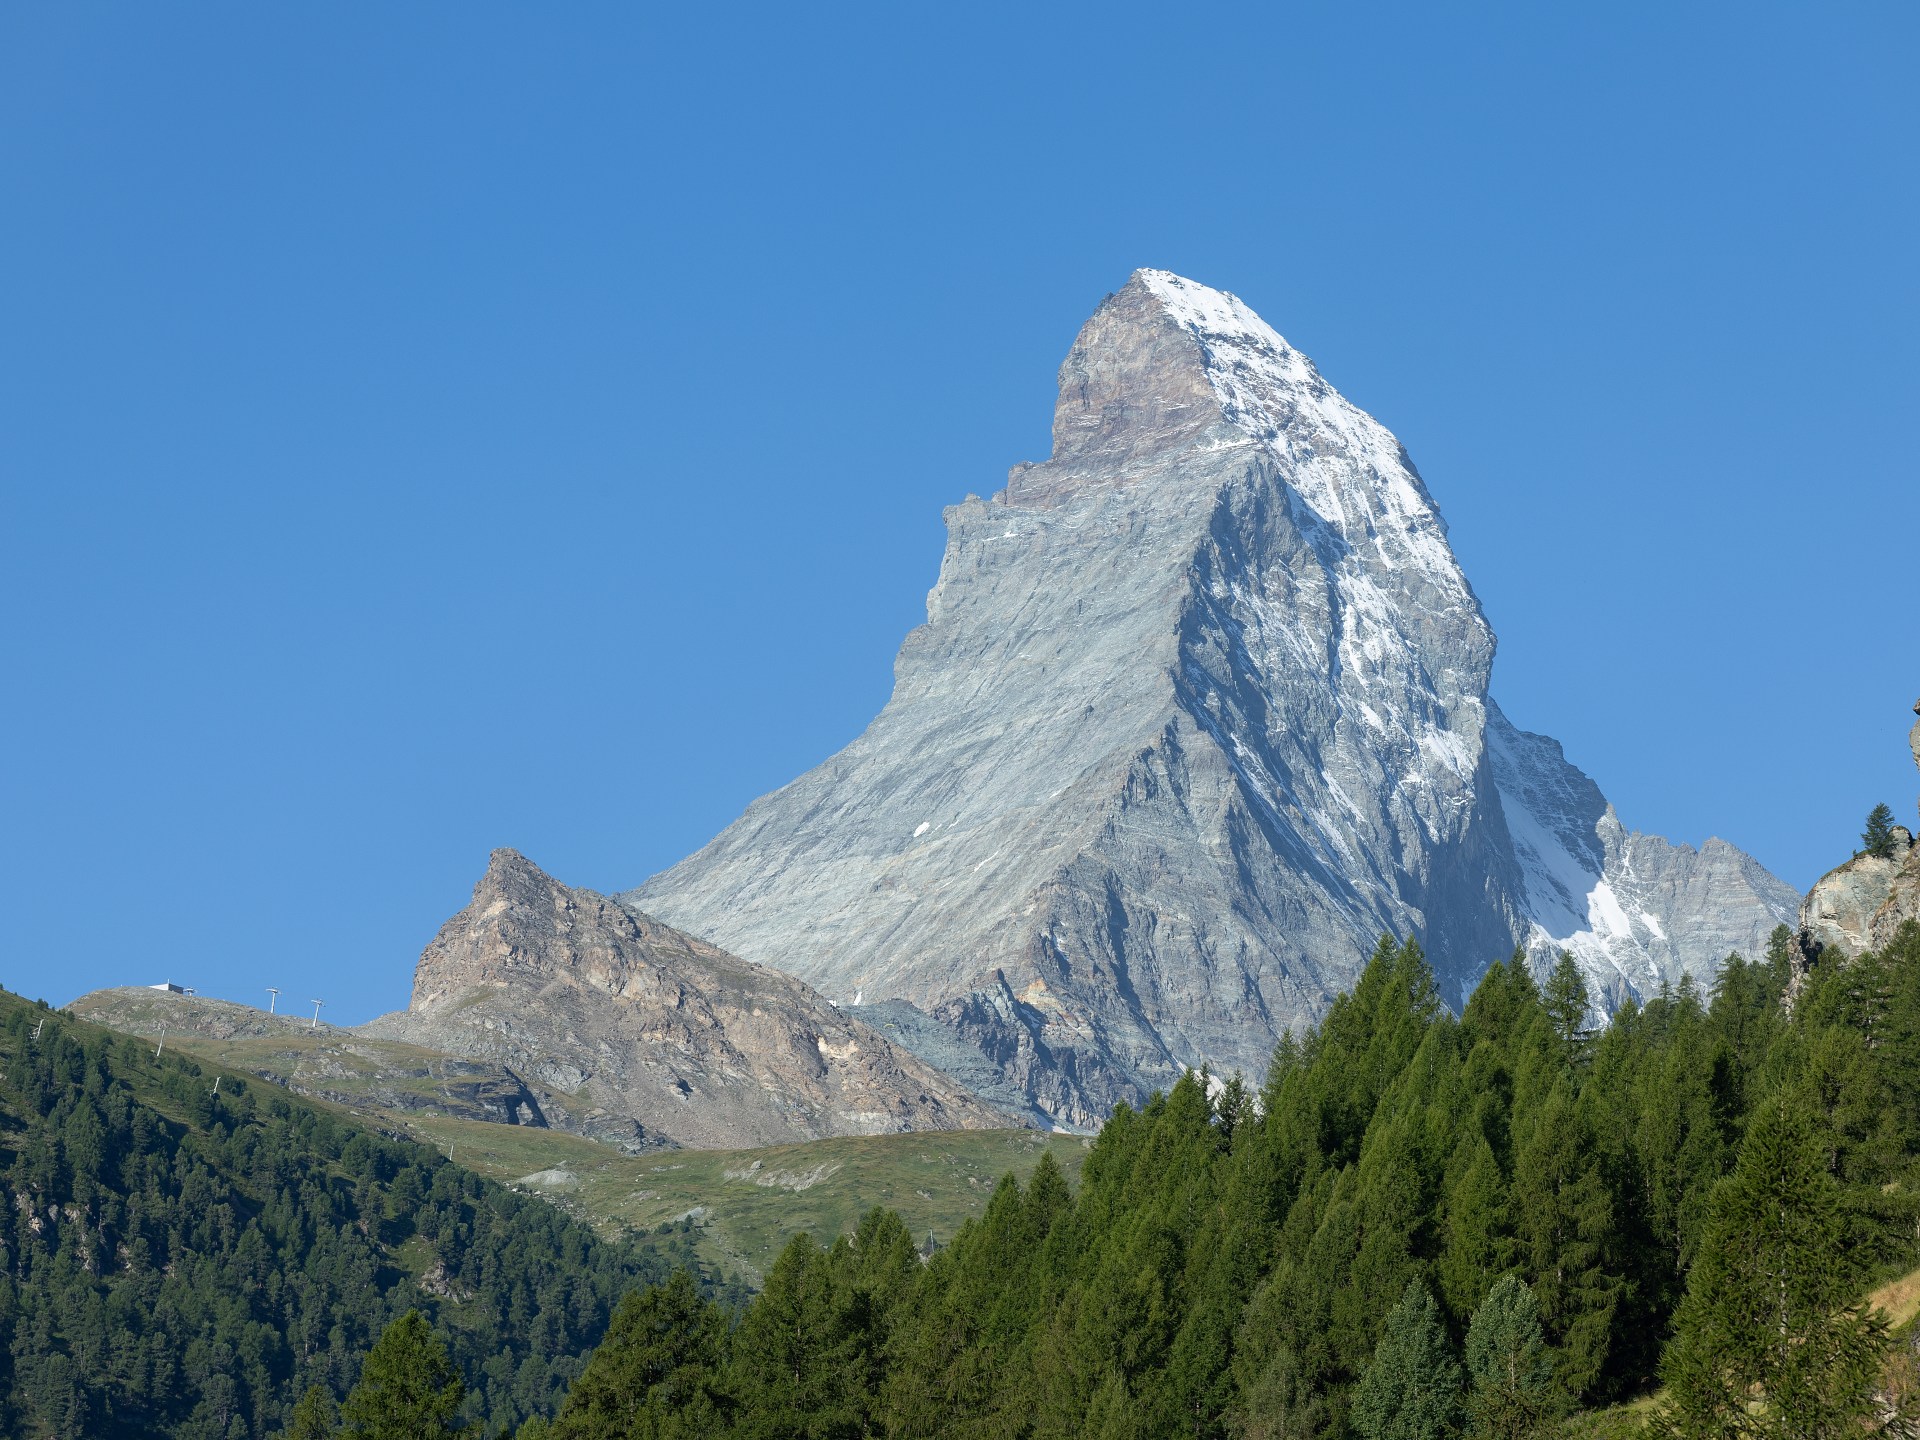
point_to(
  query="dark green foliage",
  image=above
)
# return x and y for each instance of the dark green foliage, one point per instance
(1508, 1364)
(1771, 1340)
(655, 1373)
(1569, 1239)
(806, 1354)
(1877, 838)
(408, 1389)
(1230, 1269)
(312, 1418)
(1412, 1389)
(179, 1264)
(1566, 1002)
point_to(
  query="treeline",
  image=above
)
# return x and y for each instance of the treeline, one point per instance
(180, 1263)
(1420, 1226)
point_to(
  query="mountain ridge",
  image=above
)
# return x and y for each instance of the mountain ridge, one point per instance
(659, 1038)
(1201, 708)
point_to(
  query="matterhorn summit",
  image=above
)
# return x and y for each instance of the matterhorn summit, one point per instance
(1199, 712)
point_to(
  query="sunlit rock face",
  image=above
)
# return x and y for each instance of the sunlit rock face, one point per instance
(1199, 712)
(654, 1037)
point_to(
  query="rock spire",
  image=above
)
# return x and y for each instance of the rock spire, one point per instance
(1200, 710)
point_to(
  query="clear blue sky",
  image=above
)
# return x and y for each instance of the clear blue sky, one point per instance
(433, 427)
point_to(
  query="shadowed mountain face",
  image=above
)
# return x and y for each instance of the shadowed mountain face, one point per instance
(653, 1032)
(1200, 710)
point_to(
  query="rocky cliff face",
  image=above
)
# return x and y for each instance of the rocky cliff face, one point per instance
(1634, 910)
(1860, 905)
(654, 1034)
(1200, 710)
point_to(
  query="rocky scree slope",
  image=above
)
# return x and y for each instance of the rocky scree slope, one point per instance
(656, 1037)
(1200, 710)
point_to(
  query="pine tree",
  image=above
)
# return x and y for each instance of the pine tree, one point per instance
(1478, 1233)
(1877, 838)
(1281, 1402)
(1114, 1415)
(408, 1389)
(1513, 1393)
(1781, 953)
(312, 1418)
(1412, 1389)
(1771, 1340)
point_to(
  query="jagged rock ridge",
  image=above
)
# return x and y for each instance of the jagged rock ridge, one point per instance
(1199, 711)
(648, 1030)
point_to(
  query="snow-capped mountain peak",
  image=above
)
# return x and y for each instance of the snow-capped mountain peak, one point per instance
(1200, 710)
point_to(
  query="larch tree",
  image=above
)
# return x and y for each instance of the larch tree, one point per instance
(1772, 1339)
(408, 1388)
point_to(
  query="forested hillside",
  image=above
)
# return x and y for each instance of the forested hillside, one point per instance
(1420, 1225)
(184, 1263)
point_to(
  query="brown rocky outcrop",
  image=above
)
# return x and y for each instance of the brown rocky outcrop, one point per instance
(646, 1027)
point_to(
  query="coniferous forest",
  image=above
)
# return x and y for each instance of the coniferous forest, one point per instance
(1419, 1226)
(180, 1262)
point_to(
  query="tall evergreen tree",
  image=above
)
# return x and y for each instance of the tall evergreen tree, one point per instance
(408, 1389)
(1771, 1340)
(1281, 1404)
(312, 1417)
(801, 1355)
(1566, 1000)
(655, 1373)
(1479, 1241)
(1563, 1209)
(1512, 1374)
(1412, 1389)
(1877, 838)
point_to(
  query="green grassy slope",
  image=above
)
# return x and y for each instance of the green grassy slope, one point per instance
(742, 1206)
(322, 1062)
(737, 1206)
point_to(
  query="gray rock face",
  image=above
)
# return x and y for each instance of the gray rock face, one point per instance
(1635, 910)
(1200, 710)
(1859, 905)
(654, 1036)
